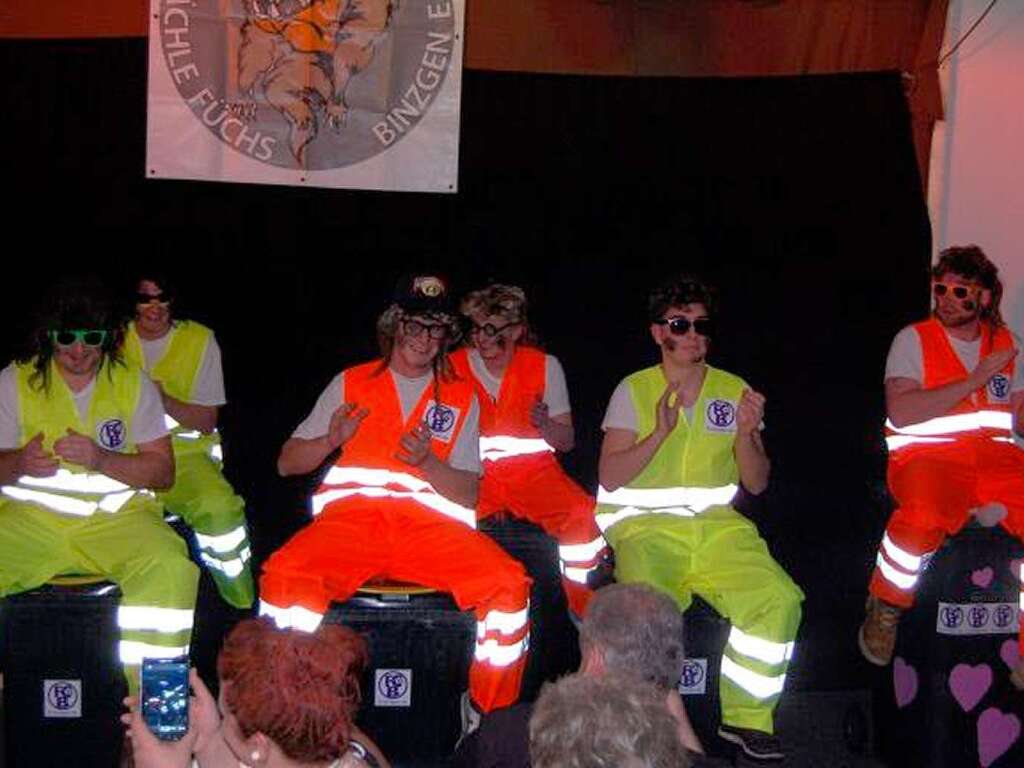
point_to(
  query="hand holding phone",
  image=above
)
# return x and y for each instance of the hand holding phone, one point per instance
(164, 697)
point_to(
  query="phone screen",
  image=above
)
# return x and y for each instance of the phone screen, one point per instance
(165, 697)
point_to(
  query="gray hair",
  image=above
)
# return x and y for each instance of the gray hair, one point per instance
(610, 721)
(638, 630)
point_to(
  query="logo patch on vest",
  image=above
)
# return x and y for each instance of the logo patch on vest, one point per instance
(999, 388)
(112, 434)
(441, 420)
(720, 416)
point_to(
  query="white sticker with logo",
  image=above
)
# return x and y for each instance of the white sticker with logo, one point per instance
(392, 688)
(62, 698)
(694, 679)
(720, 416)
(441, 420)
(999, 388)
(977, 619)
(112, 434)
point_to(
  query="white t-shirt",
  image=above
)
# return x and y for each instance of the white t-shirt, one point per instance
(466, 451)
(209, 384)
(147, 423)
(556, 393)
(906, 361)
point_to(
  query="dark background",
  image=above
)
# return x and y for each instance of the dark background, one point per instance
(799, 197)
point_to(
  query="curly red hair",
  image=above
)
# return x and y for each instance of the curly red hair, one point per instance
(299, 689)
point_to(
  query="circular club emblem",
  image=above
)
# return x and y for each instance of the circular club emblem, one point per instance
(310, 84)
(112, 434)
(62, 696)
(440, 419)
(693, 674)
(1003, 616)
(952, 616)
(393, 685)
(977, 616)
(721, 413)
(999, 386)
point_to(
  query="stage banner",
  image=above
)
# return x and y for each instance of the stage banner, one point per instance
(358, 94)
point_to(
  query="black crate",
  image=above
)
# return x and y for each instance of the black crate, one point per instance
(66, 635)
(950, 664)
(420, 649)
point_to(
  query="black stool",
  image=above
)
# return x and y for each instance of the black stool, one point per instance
(948, 695)
(421, 645)
(63, 683)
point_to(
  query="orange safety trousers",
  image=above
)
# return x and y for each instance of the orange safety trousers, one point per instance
(935, 490)
(534, 487)
(352, 542)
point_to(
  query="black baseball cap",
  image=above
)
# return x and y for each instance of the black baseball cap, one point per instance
(423, 294)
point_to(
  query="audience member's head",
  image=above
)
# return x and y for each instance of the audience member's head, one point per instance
(632, 629)
(611, 721)
(297, 690)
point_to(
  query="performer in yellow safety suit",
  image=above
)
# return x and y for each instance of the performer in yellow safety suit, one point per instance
(183, 359)
(679, 437)
(82, 438)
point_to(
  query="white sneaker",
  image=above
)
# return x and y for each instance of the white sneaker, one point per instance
(469, 715)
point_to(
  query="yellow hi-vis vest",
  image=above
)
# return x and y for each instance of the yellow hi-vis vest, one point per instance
(695, 468)
(74, 490)
(177, 371)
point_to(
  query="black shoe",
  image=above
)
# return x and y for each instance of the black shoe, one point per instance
(756, 745)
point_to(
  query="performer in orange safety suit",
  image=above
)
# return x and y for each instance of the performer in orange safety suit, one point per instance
(954, 396)
(398, 502)
(525, 418)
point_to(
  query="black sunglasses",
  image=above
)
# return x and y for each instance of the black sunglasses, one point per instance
(415, 328)
(145, 298)
(680, 326)
(490, 330)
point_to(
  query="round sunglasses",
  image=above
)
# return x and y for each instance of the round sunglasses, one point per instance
(959, 291)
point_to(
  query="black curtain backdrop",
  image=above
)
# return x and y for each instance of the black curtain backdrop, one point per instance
(799, 197)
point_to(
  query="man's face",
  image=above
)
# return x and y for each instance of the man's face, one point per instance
(494, 336)
(686, 348)
(78, 358)
(418, 339)
(958, 301)
(153, 318)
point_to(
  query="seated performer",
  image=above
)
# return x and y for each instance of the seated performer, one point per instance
(678, 438)
(954, 390)
(183, 359)
(524, 419)
(398, 502)
(82, 445)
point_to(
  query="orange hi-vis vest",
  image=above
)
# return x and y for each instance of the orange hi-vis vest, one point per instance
(505, 428)
(367, 467)
(985, 414)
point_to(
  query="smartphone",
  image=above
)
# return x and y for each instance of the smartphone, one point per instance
(165, 697)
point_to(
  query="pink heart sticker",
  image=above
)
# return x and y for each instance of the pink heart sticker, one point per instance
(982, 577)
(969, 684)
(904, 680)
(1009, 652)
(996, 734)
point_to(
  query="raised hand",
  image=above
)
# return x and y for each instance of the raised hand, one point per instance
(78, 449)
(667, 410)
(345, 422)
(750, 413)
(539, 414)
(35, 461)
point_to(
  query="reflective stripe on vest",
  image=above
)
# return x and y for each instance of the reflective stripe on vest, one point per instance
(680, 501)
(371, 482)
(940, 429)
(497, 447)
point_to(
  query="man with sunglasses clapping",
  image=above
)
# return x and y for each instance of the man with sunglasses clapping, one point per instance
(954, 389)
(525, 418)
(680, 437)
(82, 446)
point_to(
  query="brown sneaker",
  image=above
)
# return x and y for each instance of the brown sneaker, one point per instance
(1017, 675)
(877, 635)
